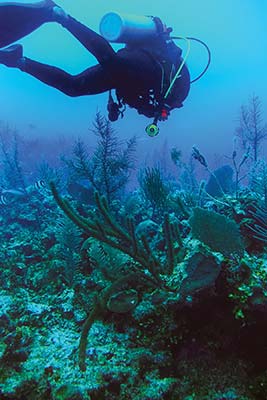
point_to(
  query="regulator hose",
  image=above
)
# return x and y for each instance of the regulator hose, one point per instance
(206, 47)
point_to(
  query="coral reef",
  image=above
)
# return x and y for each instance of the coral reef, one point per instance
(158, 293)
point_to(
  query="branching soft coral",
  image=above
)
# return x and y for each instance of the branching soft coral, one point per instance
(103, 227)
(109, 167)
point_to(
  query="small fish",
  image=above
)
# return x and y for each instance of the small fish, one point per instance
(39, 184)
(8, 196)
(3, 200)
(15, 192)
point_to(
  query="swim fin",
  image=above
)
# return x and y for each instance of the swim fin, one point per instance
(18, 20)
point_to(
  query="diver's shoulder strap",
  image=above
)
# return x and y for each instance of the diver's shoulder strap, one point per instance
(166, 66)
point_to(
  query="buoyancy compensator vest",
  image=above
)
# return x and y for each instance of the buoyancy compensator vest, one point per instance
(149, 35)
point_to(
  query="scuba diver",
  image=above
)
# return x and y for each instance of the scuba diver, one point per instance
(148, 74)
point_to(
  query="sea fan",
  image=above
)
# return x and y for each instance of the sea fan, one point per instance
(216, 231)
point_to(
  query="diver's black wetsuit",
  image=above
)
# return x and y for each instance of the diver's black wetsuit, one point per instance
(132, 71)
(136, 71)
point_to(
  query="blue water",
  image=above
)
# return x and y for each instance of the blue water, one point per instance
(235, 31)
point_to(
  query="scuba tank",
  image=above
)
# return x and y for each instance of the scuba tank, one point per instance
(124, 28)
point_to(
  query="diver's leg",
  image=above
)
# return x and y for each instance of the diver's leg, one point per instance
(94, 80)
(19, 19)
